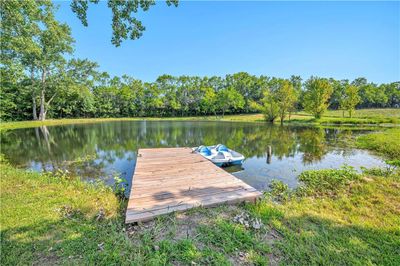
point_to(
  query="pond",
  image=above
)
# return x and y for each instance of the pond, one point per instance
(105, 150)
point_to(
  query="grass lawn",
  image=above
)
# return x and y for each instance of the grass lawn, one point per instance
(386, 143)
(361, 117)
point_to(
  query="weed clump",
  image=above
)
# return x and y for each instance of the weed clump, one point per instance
(326, 182)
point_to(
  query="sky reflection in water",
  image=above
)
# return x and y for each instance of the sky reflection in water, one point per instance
(107, 149)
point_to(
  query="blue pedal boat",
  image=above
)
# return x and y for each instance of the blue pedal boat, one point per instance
(220, 155)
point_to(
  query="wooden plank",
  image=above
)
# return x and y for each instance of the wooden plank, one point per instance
(175, 179)
(193, 195)
(133, 216)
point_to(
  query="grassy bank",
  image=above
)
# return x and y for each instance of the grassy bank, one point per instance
(342, 220)
(47, 219)
(386, 143)
(361, 117)
(54, 122)
(337, 217)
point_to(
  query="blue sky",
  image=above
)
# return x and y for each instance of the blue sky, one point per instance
(329, 39)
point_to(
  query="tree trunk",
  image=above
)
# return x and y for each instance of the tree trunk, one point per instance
(34, 111)
(35, 117)
(42, 113)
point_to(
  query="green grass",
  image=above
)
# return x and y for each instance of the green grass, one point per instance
(386, 143)
(50, 220)
(361, 117)
(344, 218)
(368, 113)
(356, 223)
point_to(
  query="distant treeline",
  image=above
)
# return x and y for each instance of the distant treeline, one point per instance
(80, 91)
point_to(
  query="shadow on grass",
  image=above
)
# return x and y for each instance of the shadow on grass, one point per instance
(306, 240)
(67, 240)
(311, 240)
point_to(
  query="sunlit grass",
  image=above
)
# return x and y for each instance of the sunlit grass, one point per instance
(386, 143)
(357, 225)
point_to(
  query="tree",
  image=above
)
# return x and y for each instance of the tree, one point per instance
(267, 106)
(124, 23)
(285, 98)
(74, 85)
(247, 85)
(208, 102)
(371, 94)
(229, 98)
(296, 81)
(168, 86)
(33, 38)
(392, 91)
(316, 97)
(54, 41)
(19, 23)
(350, 99)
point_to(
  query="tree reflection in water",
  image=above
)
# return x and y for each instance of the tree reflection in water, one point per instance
(100, 150)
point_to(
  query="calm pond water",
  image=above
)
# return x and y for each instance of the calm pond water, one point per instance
(104, 150)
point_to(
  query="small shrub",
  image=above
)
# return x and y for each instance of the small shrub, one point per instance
(392, 169)
(326, 182)
(120, 185)
(279, 190)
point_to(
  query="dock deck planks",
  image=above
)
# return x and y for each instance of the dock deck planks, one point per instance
(175, 179)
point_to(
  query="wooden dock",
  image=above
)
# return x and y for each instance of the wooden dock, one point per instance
(175, 179)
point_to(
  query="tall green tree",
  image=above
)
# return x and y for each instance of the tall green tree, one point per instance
(229, 99)
(316, 96)
(350, 99)
(54, 41)
(20, 21)
(34, 39)
(269, 107)
(208, 102)
(296, 81)
(392, 90)
(247, 85)
(285, 98)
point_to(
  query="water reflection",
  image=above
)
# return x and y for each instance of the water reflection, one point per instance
(106, 149)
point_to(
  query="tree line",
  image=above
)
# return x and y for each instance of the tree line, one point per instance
(78, 90)
(39, 82)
